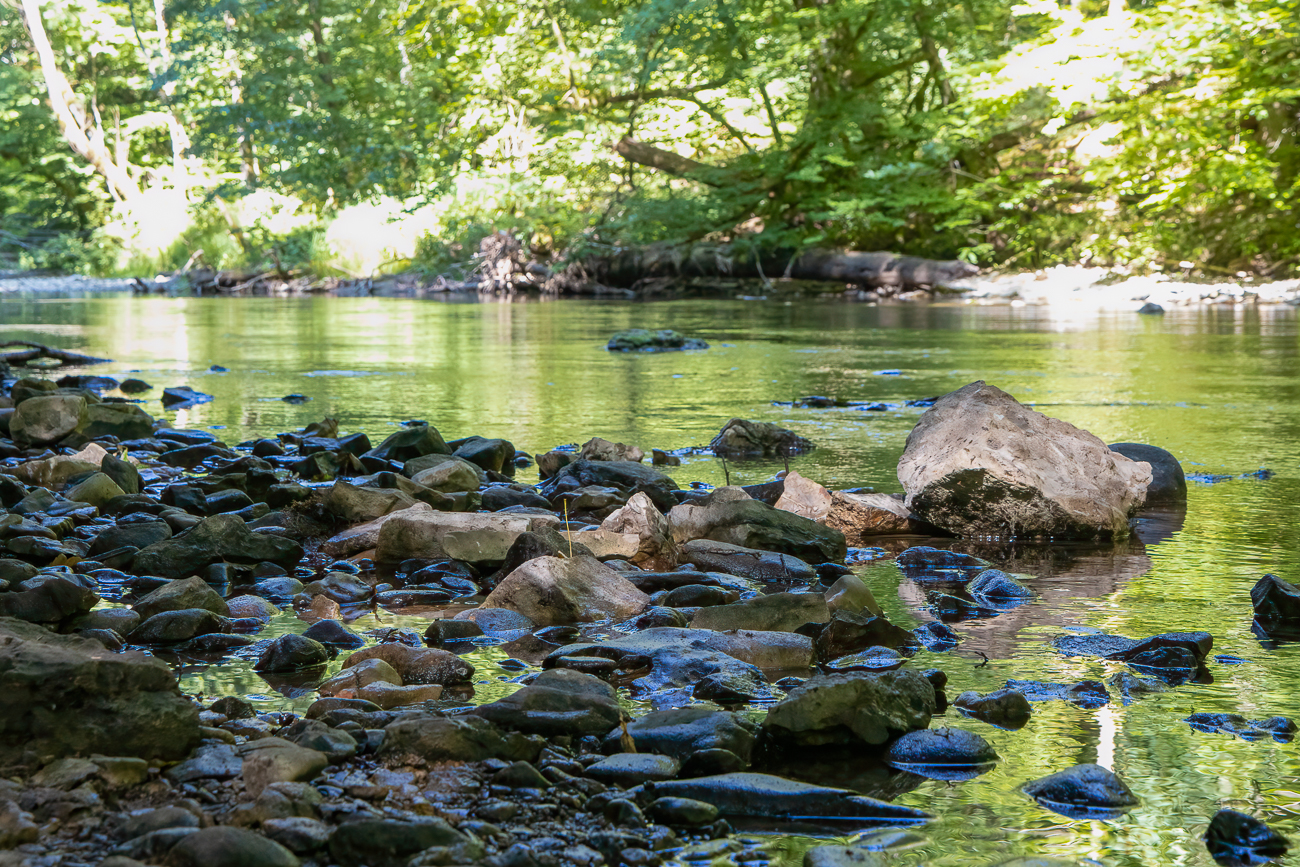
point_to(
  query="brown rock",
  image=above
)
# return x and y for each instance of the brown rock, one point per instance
(552, 591)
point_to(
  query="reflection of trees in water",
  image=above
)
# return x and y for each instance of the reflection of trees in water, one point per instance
(1060, 574)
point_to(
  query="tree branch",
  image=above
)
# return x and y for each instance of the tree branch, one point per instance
(665, 161)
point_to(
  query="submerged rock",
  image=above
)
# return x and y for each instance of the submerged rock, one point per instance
(1084, 791)
(740, 439)
(1236, 839)
(644, 340)
(852, 708)
(749, 794)
(1085, 693)
(1005, 708)
(1168, 484)
(978, 463)
(1281, 729)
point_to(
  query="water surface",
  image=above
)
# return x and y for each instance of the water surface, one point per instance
(1216, 386)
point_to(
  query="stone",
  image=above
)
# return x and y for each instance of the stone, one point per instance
(137, 535)
(1184, 651)
(763, 795)
(752, 440)
(628, 477)
(224, 846)
(558, 702)
(64, 694)
(754, 524)
(1085, 791)
(123, 473)
(1237, 838)
(433, 739)
(357, 505)
(381, 842)
(1282, 729)
(181, 594)
(213, 540)
(364, 537)
(683, 811)
(655, 549)
(96, 490)
(417, 665)
(251, 608)
(148, 821)
(121, 772)
(387, 695)
(978, 463)
(1004, 708)
(41, 421)
(775, 651)
(209, 762)
(1168, 483)
(997, 587)
(776, 612)
(1275, 599)
(684, 732)
(414, 441)
(804, 497)
(766, 566)
(552, 591)
(862, 517)
(449, 475)
(65, 773)
(411, 535)
(299, 834)
(491, 455)
(169, 627)
(841, 856)
(643, 340)
(1132, 687)
(53, 601)
(633, 769)
(852, 708)
(181, 396)
(360, 675)
(333, 633)
(846, 633)
(292, 653)
(17, 827)
(126, 421)
(274, 760)
(1086, 693)
(942, 754)
(597, 449)
(850, 593)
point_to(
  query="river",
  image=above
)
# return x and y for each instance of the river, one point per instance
(1217, 386)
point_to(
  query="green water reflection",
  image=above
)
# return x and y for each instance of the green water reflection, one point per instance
(1217, 387)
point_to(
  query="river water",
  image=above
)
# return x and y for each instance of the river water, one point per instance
(1218, 387)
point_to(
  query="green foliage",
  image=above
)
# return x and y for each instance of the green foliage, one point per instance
(1021, 134)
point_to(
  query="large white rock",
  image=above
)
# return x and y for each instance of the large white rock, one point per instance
(980, 463)
(410, 533)
(560, 590)
(365, 536)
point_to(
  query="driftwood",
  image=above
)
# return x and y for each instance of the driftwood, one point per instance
(889, 273)
(40, 350)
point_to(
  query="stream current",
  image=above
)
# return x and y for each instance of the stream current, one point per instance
(1218, 387)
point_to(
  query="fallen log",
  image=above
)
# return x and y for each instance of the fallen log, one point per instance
(40, 350)
(887, 272)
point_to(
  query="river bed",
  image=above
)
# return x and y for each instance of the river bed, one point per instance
(1217, 386)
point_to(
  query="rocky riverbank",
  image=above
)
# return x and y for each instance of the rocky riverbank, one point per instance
(729, 614)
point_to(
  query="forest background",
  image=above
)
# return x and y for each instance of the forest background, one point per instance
(354, 138)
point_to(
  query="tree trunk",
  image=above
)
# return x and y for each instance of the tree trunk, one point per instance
(67, 109)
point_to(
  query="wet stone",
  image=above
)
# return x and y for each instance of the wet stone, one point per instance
(1084, 791)
(1236, 839)
(633, 769)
